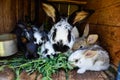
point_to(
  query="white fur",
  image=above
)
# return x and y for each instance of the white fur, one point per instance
(47, 45)
(38, 37)
(62, 33)
(84, 63)
(75, 32)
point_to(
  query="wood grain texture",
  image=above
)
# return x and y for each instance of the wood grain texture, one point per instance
(13, 10)
(107, 16)
(79, 2)
(1, 17)
(101, 4)
(106, 22)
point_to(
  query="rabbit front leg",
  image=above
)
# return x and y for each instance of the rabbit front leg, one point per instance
(81, 70)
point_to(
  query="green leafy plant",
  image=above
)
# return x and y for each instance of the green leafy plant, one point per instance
(45, 66)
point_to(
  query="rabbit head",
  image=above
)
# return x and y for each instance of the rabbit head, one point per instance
(86, 40)
(82, 58)
(27, 33)
(40, 36)
(47, 49)
(94, 58)
(61, 35)
(75, 57)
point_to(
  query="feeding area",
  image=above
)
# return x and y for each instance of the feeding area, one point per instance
(59, 40)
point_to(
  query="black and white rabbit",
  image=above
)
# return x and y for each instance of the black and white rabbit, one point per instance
(40, 35)
(42, 39)
(47, 49)
(25, 39)
(61, 35)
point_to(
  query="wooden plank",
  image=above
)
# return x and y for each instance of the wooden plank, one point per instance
(83, 2)
(63, 9)
(73, 8)
(19, 9)
(101, 4)
(13, 17)
(107, 16)
(32, 10)
(1, 17)
(7, 15)
(26, 8)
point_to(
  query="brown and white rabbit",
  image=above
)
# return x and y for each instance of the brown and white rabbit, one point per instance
(83, 42)
(92, 57)
(61, 35)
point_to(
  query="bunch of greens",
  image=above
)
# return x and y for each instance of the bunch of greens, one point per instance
(45, 66)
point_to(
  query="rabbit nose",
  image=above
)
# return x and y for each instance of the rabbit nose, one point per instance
(48, 56)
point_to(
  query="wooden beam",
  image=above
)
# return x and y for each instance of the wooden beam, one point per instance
(79, 2)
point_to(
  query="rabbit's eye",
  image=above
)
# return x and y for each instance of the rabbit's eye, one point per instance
(76, 60)
(81, 46)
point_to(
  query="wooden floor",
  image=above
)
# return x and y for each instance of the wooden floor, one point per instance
(86, 76)
(72, 75)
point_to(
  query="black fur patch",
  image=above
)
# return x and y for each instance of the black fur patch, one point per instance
(34, 39)
(65, 48)
(60, 48)
(54, 34)
(69, 35)
(48, 56)
(45, 52)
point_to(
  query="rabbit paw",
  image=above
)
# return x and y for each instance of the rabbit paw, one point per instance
(80, 71)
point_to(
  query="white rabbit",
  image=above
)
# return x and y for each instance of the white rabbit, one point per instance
(61, 35)
(93, 57)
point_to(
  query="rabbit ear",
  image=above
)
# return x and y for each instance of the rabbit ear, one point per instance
(92, 38)
(41, 27)
(50, 11)
(90, 53)
(86, 31)
(79, 16)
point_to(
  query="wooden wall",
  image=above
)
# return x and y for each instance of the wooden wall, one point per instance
(106, 22)
(13, 10)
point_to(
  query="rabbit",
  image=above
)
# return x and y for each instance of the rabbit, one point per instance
(85, 41)
(93, 58)
(40, 36)
(61, 35)
(18, 31)
(75, 32)
(47, 49)
(25, 39)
